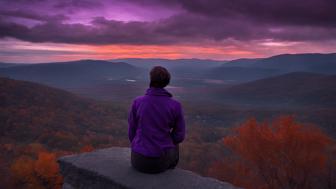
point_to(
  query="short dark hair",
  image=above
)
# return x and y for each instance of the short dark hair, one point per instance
(159, 77)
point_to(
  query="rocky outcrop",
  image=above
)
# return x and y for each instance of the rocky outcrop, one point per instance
(110, 168)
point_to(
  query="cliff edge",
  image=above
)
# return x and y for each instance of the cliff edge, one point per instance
(110, 168)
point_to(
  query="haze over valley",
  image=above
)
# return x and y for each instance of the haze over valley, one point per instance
(298, 84)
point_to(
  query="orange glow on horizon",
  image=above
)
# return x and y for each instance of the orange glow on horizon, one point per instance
(28, 52)
(168, 51)
(51, 52)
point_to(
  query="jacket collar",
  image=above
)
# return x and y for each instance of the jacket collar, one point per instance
(152, 91)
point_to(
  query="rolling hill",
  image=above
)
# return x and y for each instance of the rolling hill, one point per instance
(293, 89)
(181, 68)
(240, 74)
(69, 74)
(36, 119)
(242, 62)
(243, 70)
(35, 113)
(317, 63)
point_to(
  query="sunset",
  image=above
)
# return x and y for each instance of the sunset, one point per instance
(168, 94)
(44, 31)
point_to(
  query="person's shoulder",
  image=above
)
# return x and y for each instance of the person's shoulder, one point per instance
(138, 99)
(176, 102)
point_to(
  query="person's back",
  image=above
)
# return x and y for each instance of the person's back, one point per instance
(156, 126)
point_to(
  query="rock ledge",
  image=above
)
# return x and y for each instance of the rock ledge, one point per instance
(110, 168)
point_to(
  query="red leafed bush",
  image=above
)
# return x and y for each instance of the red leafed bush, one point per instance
(282, 154)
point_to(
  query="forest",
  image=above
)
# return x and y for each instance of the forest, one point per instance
(41, 123)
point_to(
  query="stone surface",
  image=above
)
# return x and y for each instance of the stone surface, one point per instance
(110, 168)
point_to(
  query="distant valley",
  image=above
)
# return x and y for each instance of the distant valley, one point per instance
(222, 92)
(70, 107)
(71, 74)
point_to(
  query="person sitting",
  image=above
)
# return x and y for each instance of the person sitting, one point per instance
(156, 126)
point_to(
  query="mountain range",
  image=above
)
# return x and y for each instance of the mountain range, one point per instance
(90, 72)
(318, 63)
(243, 70)
(292, 89)
(69, 74)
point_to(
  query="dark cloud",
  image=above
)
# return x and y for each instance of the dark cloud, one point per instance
(31, 15)
(305, 12)
(22, 14)
(77, 4)
(198, 21)
(9, 29)
(296, 12)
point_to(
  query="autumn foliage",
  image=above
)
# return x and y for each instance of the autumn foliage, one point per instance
(42, 172)
(282, 154)
(87, 148)
(46, 168)
(38, 124)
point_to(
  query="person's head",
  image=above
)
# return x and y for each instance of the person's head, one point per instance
(159, 77)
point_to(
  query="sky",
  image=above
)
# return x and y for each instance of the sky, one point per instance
(62, 30)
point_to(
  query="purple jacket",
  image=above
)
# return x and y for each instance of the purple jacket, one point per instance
(155, 122)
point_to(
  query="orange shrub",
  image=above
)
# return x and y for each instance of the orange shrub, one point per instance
(283, 154)
(40, 173)
(87, 148)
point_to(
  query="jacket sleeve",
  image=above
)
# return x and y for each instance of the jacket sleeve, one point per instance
(132, 123)
(178, 132)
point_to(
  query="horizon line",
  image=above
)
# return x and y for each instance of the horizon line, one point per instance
(172, 59)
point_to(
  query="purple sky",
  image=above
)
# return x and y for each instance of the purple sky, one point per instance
(50, 30)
